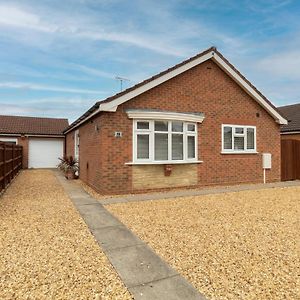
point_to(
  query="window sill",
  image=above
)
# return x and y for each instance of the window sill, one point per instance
(239, 152)
(165, 162)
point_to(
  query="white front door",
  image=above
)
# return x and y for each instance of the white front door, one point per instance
(44, 152)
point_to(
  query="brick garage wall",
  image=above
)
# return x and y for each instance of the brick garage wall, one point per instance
(70, 139)
(23, 141)
(205, 88)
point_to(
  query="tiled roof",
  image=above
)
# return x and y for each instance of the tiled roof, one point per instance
(130, 89)
(292, 114)
(111, 98)
(32, 125)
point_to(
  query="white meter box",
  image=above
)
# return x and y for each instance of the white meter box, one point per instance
(267, 160)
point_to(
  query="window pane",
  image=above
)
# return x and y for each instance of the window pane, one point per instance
(250, 138)
(227, 138)
(177, 126)
(142, 146)
(161, 126)
(10, 142)
(142, 125)
(177, 146)
(191, 147)
(238, 143)
(239, 130)
(191, 127)
(161, 146)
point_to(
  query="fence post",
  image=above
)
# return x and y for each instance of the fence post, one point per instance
(4, 165)
(21, 159)
(10, 163)
(14, 157)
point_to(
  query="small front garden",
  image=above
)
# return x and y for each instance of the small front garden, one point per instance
(46, 249)
(242, 245)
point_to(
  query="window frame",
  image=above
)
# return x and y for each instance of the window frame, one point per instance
(76, 144)
(151, 132)
(9, 140)
(234, 134)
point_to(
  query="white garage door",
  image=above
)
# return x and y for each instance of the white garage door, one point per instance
(44, 153)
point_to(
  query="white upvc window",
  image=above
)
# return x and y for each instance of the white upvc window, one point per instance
(164, 141)
(9, 140)
(238, 139)
(76, 144)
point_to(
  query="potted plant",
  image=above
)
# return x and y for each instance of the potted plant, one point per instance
(69, 166)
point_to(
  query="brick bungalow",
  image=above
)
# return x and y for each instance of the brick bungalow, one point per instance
(291, 131)
(198, 123)
(42, 138)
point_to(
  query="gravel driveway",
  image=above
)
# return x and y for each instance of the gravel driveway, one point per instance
(46, 250)
(242, 245)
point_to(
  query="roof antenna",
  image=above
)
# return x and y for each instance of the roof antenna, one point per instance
(121, 79)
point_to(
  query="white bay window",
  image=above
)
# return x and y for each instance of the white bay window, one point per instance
(164, 137)
(238, 139)
(164, 141)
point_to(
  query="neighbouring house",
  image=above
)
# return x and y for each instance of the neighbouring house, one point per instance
(42, 138)
(198, 123)
(290, 143)
(292, 129)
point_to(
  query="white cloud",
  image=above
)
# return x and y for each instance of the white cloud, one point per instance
(285, 64)
(162, 35)
(91, 71)
(266, 6)
(11, 15)
(43, 87)
(64, 107)
(80, 41)
(20, 18)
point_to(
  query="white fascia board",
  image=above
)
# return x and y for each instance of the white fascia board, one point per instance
(161, 115)
(84, 120)
(7, 134)
(112, 106)
(32, 135)
(237, 78)
(290, 132)
(45, 136)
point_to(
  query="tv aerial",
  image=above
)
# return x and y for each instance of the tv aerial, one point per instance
(121, 79)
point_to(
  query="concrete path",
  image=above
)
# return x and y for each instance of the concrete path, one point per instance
(144, 273)
(198, 192)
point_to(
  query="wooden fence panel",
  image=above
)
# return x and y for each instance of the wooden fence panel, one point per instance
(10, 162)
(290, 160)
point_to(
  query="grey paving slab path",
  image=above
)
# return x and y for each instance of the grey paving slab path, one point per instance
(197, 192)
(145, 274)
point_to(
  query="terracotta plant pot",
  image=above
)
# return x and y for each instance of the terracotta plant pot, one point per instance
(70, 174)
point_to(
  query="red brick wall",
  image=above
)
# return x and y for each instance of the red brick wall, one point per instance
(70, 144)
(23, 141)
(205, 88)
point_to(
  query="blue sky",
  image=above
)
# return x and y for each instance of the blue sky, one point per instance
(58, 57)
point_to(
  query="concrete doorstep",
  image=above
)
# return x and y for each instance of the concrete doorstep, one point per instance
(144, 273)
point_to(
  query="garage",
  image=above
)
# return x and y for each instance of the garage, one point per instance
(44, 153)
(42, 139)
